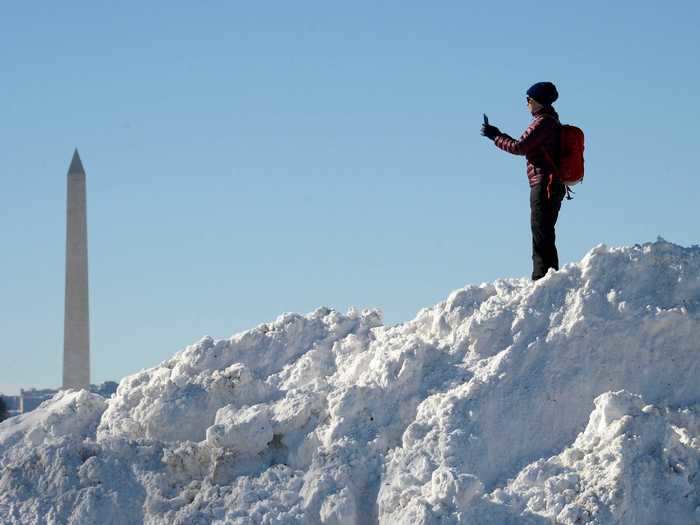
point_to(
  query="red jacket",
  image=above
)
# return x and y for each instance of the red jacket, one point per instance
(539, 143)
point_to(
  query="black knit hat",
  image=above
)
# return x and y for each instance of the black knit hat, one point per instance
(543, 92)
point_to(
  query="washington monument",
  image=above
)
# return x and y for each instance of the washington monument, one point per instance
(76, 328)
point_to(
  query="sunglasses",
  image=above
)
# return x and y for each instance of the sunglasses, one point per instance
(528, 98)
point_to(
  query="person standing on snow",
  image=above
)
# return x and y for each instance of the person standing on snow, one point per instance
(540, 146)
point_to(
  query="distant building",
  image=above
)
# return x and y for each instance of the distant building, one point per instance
(32, 398)
(28, 400)
(12, 405)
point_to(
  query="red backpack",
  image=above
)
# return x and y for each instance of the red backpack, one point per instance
(571, 155)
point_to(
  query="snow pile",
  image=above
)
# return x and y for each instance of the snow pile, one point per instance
(634, 463)
(571, 400)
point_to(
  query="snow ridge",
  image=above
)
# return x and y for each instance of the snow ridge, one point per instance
(570, 400)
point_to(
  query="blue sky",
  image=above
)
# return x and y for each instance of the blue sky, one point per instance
(247, 159)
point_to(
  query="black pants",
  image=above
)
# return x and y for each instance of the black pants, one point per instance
(544, 212)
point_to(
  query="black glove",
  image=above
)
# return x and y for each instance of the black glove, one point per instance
(487, 130)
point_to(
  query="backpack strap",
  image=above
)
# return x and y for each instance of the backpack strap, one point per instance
(551, 162)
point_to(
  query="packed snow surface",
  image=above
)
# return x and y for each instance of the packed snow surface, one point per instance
(571, 400)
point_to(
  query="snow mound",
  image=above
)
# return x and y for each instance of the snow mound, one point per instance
(569, 400)
(634, 463)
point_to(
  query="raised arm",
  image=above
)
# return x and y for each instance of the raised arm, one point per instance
(532, 138)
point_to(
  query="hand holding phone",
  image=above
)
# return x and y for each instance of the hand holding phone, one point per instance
(487, 130)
